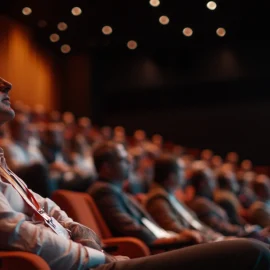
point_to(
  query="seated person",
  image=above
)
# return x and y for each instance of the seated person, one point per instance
(52, 147)
(23, 228)
(212, 214)
(259, 212)
(167, 211)
(225, 196)
(24, 159)
(123, 215)
(245, 194)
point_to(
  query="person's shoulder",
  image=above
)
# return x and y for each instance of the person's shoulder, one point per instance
(100, 186)
(257, 206)
(156, 193)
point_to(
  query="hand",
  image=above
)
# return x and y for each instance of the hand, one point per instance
(111, 258)
(191, 235)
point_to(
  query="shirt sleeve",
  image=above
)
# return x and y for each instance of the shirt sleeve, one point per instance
(17, 232)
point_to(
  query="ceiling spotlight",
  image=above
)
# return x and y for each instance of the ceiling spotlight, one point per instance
(154, 3)
(42, 23)
(54, 37)
(164, 20)
(106, 30)
(221, 32)
(62, 26)
(211, 5)
(26, 11)
(132, 45)
(188, 32)
(65, 48)
(76, 11)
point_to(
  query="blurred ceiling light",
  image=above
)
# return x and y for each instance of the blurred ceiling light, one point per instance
(42, 23)
(211, 5)
(76, 11)
(54, 37)
(62, 26)
(132, 44)
(221, 32)
(154, 3)
(164, 20)
(26, 11)
(188, 32)
(106, 30)
(65, 48)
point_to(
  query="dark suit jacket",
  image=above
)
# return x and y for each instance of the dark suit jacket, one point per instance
(121, 213)
(214, 216)
(163, 211)
(230, 203)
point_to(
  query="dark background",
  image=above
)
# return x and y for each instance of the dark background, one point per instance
(201, 92)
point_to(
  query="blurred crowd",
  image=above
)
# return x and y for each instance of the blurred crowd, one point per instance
(51, 151)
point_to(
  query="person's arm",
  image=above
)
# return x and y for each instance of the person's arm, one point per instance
(207, 214)
(160, 210)
(260, 216)
(117, 217)
(17, 232)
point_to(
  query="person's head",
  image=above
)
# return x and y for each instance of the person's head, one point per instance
(169, 173)
(6, 112)
(227, 180)
(139, 135)
(157, 140)
(106, 132)
(84, 125)
(203, 182)
(53, 136)
(111, 162)
(206, 154)
(261, 187)
(246, 165)
(216, 161)
(232, 157)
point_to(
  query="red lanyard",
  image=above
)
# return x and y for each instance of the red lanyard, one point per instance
(29, 198)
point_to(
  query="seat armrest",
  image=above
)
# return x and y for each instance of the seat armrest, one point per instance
(126, 246)
(21, 260)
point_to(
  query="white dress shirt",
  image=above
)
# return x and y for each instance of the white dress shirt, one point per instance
(19, 232)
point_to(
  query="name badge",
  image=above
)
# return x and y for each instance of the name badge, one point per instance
(54, 225)
(57, 228)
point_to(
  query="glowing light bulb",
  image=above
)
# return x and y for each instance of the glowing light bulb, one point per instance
(26, 11)
(76, 11)
(132, 45)
(164, 20)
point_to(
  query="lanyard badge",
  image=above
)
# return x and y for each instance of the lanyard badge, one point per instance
(29, 198)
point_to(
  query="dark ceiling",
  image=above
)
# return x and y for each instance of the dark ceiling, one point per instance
(138, 20)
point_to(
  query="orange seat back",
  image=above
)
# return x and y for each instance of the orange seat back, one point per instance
(81, 208)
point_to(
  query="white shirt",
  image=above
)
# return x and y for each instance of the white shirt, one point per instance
(19, 232)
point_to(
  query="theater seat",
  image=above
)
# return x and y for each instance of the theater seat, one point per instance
(81, 208)
(10, 260)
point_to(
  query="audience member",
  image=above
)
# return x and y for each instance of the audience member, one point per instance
(259, 212)
(167, 211)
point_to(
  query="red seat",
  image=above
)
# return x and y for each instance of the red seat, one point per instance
(21, 260)
(81, 208)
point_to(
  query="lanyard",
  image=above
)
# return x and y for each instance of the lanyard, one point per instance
(29, 198)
